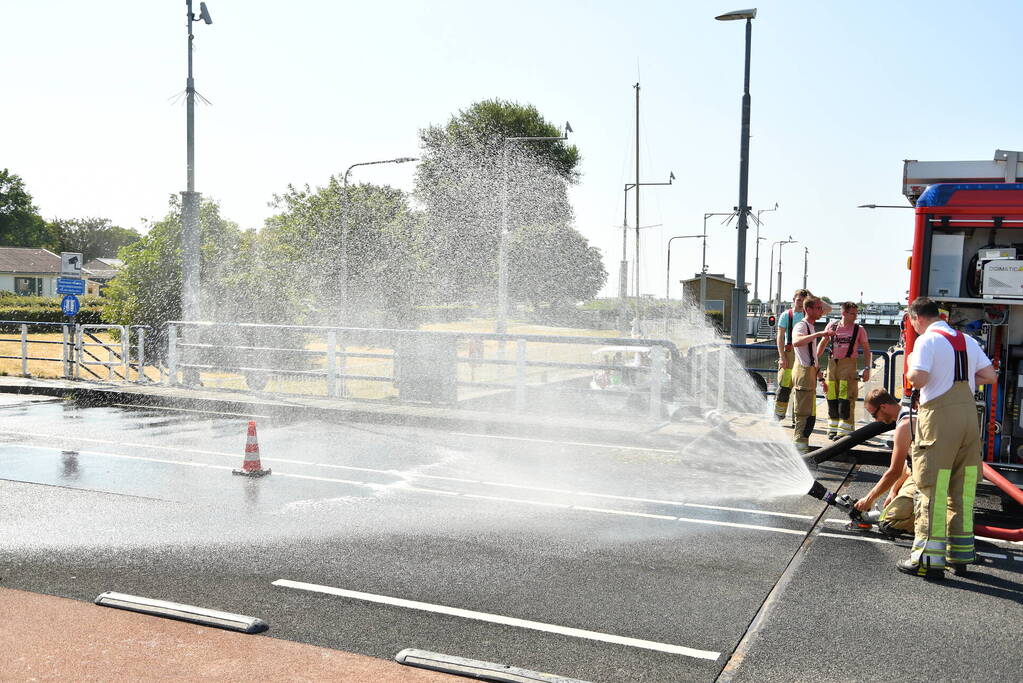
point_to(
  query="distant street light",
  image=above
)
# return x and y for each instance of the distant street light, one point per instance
(344, 313)
(780, 244)
(667, 274)
(806, 257)
(190, 198)
(738, 321)
(756, 261)
(703, 267)
(501, 326)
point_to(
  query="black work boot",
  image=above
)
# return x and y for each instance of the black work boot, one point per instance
(960, 568)
(917, 569)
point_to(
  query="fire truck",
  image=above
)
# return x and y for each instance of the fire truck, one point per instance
(968, 256)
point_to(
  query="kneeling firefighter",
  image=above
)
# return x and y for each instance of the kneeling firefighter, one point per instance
(896, 484)
(807, 372)
(843, 378)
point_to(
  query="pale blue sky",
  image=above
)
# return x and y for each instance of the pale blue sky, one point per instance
(841, 93)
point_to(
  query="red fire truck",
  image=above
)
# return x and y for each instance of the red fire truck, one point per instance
(968, 256)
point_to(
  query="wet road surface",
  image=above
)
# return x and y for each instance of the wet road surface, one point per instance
(576, 558)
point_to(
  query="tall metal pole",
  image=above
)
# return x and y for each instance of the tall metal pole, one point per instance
(806, 257)
(635, 265)
(770, 280)
(778, 292)
(502, 249)
(739, 293)
(190, 199)
(756, 261)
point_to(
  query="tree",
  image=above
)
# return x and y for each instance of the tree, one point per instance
(383, 250)
(553, 264)
(91, 237)
(147, 289)
(473, 184)
(20, 222)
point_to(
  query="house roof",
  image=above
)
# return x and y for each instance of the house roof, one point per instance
(711, 276)
(28, 260)
(104, 267)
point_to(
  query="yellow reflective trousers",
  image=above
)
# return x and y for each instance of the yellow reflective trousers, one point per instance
(946, 455)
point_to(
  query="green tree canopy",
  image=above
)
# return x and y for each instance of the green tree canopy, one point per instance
(553, 264)
(474, 183)
(20, 222)
(91, 237)
(373, 226)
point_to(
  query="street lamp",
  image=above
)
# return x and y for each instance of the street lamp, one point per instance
(806, 258)
(667, 274)
(190, 198)
(501, 326)
(780, 244)
(623, 268)
(739, 293)
(343, 314)
(703, 267)
(756, 261)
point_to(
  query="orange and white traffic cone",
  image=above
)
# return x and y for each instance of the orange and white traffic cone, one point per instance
(252, 467)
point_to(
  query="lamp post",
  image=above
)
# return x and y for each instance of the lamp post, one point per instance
(344, 312)
(756, 261)
(777, 294)
(806, 258)
(623, 269)
(501, 327)
(190, 198)
(667, 273)
(703, 267)
(739, 293)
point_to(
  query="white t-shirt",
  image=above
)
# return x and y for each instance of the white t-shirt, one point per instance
(806, 355)
(933, 354)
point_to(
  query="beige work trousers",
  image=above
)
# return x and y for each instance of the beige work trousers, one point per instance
(899, 512)
(804, 386)
(946, 466)
(784, 389)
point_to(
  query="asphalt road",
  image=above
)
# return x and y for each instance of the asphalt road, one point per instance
(573, 558)
(578, 558)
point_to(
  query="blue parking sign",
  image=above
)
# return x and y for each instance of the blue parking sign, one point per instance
(69, 304)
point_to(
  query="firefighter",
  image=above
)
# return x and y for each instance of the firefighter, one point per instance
(945, 367)
(843, 378)
(806, 371)
(896, 484)
(783, 339)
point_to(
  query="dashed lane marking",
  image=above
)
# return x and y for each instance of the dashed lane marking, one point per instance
(499, 619)
(399, 473)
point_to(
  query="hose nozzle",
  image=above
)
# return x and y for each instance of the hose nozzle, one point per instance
(842, 502)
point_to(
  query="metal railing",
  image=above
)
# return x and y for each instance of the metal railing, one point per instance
(81, 349)
(471, 369)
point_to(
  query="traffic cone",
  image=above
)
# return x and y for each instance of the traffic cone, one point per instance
(251, 466)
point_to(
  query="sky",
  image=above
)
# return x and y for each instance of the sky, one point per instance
(94, 121)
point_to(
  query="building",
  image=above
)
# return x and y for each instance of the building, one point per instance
(33, 272)
(103, 270)
(718, 295)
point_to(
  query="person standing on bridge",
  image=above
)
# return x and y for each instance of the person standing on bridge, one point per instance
(849, 341)
(945, 367)
(806, 371)
(783, 339)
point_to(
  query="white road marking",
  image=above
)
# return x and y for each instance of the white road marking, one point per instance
(399, 473)
(499, 619)
(187, 410)
(567, 443)
(995, 556)
(856, 538)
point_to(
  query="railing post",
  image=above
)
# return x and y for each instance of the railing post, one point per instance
(520, 375)
(24, 350)
(342, 362)
(79, 358)
(331, 363)
(656, 380)
(172, 355)
(126, 352)
(722, 360)
(65, 349)
(140, 376)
